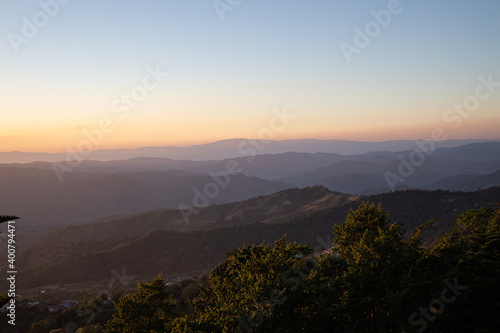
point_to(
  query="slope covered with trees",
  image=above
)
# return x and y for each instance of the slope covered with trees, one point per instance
(373, 280)
(193, 252)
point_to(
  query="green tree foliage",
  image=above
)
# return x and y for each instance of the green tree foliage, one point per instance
(3, 299)
(150, 309)
(466, 235)
(91, 328)
(475, 243)
(44, 325)
(254, 289)
(376, 268)
(374, 280)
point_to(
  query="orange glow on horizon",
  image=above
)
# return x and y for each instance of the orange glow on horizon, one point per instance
(39, 143)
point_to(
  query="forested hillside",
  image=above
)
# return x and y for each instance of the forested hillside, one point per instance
(373, 279)
(145, 247)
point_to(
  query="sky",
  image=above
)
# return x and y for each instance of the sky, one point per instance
(128, 74)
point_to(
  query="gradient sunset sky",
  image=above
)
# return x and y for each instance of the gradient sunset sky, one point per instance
(227, 76)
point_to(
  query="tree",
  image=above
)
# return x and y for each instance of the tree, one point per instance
(43, 326)
(91, 328)
(150, 309)
(4, 299)
(465, 237)
(254, 289)
(378, 268)
(474, 242)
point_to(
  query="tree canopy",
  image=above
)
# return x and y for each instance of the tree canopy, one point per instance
(150, 309)
(374, 279)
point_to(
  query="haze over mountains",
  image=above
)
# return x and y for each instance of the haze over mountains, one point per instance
(98, 189)
(161, 240)
(84, 197)
(233, 148)
(179, 216)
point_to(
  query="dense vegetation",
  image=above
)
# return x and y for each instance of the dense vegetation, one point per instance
(373, 280)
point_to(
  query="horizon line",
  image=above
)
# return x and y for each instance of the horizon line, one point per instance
(248, 139)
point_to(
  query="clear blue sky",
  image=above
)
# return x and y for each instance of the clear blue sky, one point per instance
(227, 76)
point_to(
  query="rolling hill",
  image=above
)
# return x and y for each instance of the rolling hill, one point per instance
(83, 253)
(39, 198)
(467, 182)
(100, 189)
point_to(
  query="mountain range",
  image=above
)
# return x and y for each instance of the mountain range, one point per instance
(180, 216)
(99, 189)
(161, 241)
(233, 148)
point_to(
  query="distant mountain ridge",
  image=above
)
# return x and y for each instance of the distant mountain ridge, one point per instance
(233, 148)
(38, 197)
(468, 182)
(98, 189)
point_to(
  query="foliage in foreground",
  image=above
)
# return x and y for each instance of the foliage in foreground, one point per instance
(373, 280)
(150, 309)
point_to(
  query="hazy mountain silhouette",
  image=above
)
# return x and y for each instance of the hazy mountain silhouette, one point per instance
(97, 189)
(234, 148)
(467, 182)
(40, 198)
(90, 252)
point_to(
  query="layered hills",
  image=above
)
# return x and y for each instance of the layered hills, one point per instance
(100, 189)
(146, 244)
